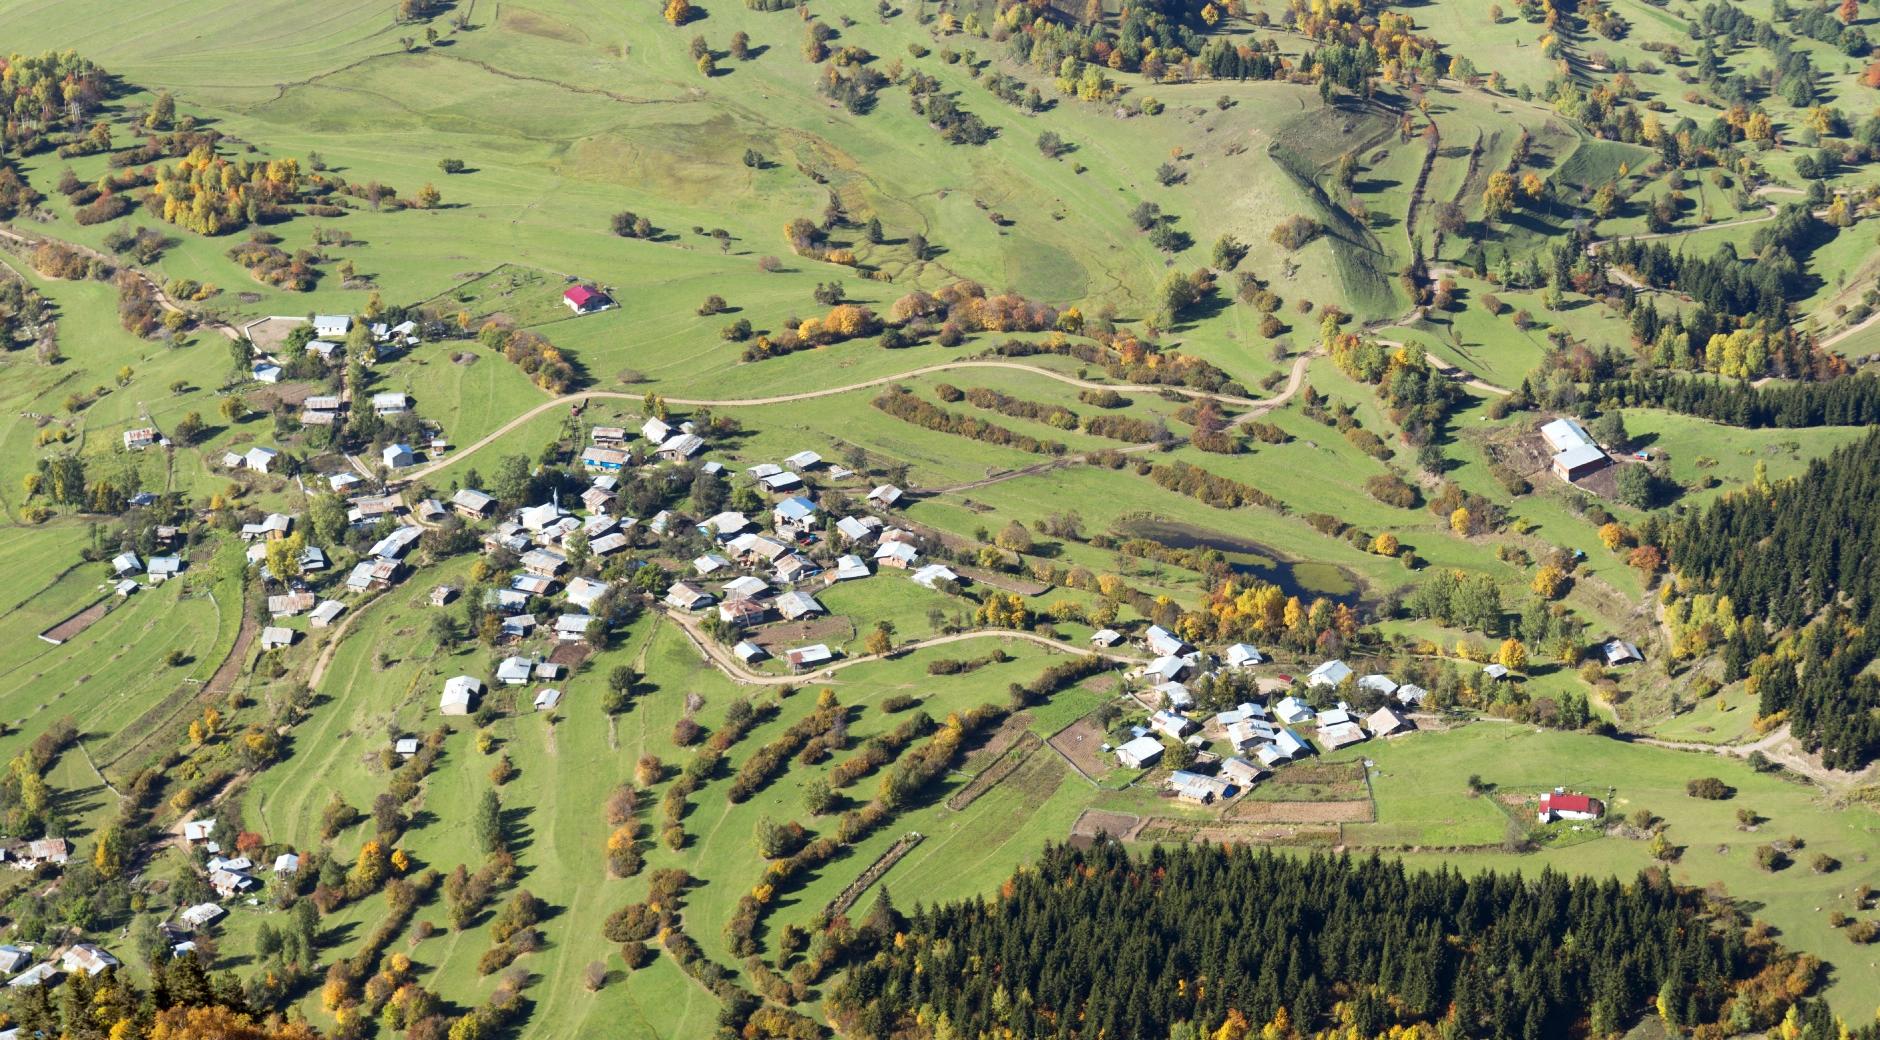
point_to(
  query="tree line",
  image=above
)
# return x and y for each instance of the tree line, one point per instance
(1219, 940)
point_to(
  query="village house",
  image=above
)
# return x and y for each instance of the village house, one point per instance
(398, 456)
(572, 628)
(1105, 637)
(848, 568)
(265, 371)
(88, 958)
(1616, 652)
(1331, 673)
(260, 459)
(290, 604)
(139, 439)
(743, 612)
(126, 563)
(612, 436)
(745, 587)
(269, 528)
(598, 499)
(319, 410)
(808, 656)
(585, 592)
(724, 525)
(1197, 788)
(460, 693)
(782, 480)
(396, 544)
(230, 883)
(1140, 753)
(684, 446)
(326, 613)
(585, 299)
(749, 652)
(275, 637)
(518, 626)
(1576, 454)
(1386, 721)
(1164, 643)
(794, 568)
(858, 530)
(803, 460)
(655, 430)
(1170, 725)
(1382, 685)
(1558, 804)
(331, 326)
(899, 555)
(709, 564)
(324, 349)
(796, 605)
(1241, 772)
(885, 496)
(1175, 695)
(161, 568)
(1340, 734)
(794, 516)
(1410, 695)
(934, 574)
(196, 832)
(373, 574)
(544, 562)
(684, 595)
(200, 916)
(473, 504)
(604, 460)
(1240, 655)
(391, 403)
(12, 959)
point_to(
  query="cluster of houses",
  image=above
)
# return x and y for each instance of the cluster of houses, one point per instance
(330, 332)
(1575, 453)
(230, 877)
(608, 452)
(763, 575)
(127, 565)
(1258, 736)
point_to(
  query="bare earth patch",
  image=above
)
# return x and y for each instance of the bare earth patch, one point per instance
(1081, 743)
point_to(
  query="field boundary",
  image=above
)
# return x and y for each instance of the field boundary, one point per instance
(1016, 755)
(845, 900)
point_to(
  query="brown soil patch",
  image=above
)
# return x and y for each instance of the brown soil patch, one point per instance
(1245, 811)
(289, 394)
(77, 623)
(270, 334)
(532, 24)
(797, 633)
(1169, 829)
(1092, 822)
(1081, 743)
(1004, 767)
(570, 655)
(987, 751)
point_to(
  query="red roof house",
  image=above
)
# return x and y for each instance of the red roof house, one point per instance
(583, 299)
(1559, 805)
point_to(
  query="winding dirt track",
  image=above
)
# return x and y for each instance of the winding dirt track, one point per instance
(722, 659)
(1254, 407)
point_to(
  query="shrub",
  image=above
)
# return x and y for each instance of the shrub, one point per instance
(1708, 788)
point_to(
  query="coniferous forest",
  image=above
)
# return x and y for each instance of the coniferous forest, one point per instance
(1229, 942)
(1803, 555)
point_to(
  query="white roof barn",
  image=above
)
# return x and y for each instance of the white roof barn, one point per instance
(1331, 673)
(1241, 655)
(1163, 642)
(459, 693)
(1140, 752)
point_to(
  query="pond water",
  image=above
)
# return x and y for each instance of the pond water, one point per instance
(1303, 578)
